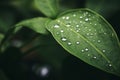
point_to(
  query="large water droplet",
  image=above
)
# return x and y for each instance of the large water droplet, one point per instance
(63, 39)
(56, 26)
(82, 50)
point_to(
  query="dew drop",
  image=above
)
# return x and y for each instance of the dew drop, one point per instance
(81, 17)
(63, 17)
(56, 26)
(67, 17)
(94, 57)
(86, 49)
(95, 24)
(86, 19)
(63, 39)
(57, 33)
(61, 31)
(69, 43)
(82, 50)
(103, 50)
(74, 15)
(77, 31)
(77, 42)
(110, 65)
(88, 55)
(68, 25)
(98, 41)
(77, 25)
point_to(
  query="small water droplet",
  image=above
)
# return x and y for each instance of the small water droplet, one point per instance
(98, 41)
(57, 33)
(61, 31)
(82, 50)
(87, 34)
(86, 49)
(88, 55)
(110, 65)
(89, 29)
(74, 15)
(68, 25)
(95, 24)
(69, 43)
(67, 17)
(80, 21)
(77, 25)
(94, 57)
(81, 17)
(58, 20)
(77, 31)
(103, 50)
(56, 26)
(63, 39)
(63, 17)
(77, 42)
(86, 19)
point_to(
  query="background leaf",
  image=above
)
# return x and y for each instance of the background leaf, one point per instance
(1, 37)
(86, 35)
(36, 24)
(47, 7)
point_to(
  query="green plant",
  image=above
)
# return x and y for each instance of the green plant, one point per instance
(82, 32)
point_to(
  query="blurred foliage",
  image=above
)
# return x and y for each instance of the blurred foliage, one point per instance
(28, 52)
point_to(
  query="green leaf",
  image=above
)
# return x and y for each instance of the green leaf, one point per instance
(36, 24)
(48, 7)
(88, 36)
(1, 37)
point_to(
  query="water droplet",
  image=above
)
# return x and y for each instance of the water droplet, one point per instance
(77, 30)
(81, 17)
(67, 17)
(86, 49)
(61, 31)
(57, 33)
(63, 39)
(56, 26)
(110, 65)
(74, 15)
(88, 55)
(77, 42)
(103, 50)
(89, 30)
(80, 21)
(82, 50)
(58, 20)
(95, 24)
(87, 34)
(86, 19)
(68, 25)
(98, 41)
(63, 17)
(69, 43)
(77, 25)
(94, 57)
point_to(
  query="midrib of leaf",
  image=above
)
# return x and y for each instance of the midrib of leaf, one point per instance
(48, 2)
(101, 53)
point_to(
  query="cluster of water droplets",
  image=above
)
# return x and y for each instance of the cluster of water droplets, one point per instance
(80, 25)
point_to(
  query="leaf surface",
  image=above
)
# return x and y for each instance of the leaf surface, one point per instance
(36, 24)
(88, 36)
